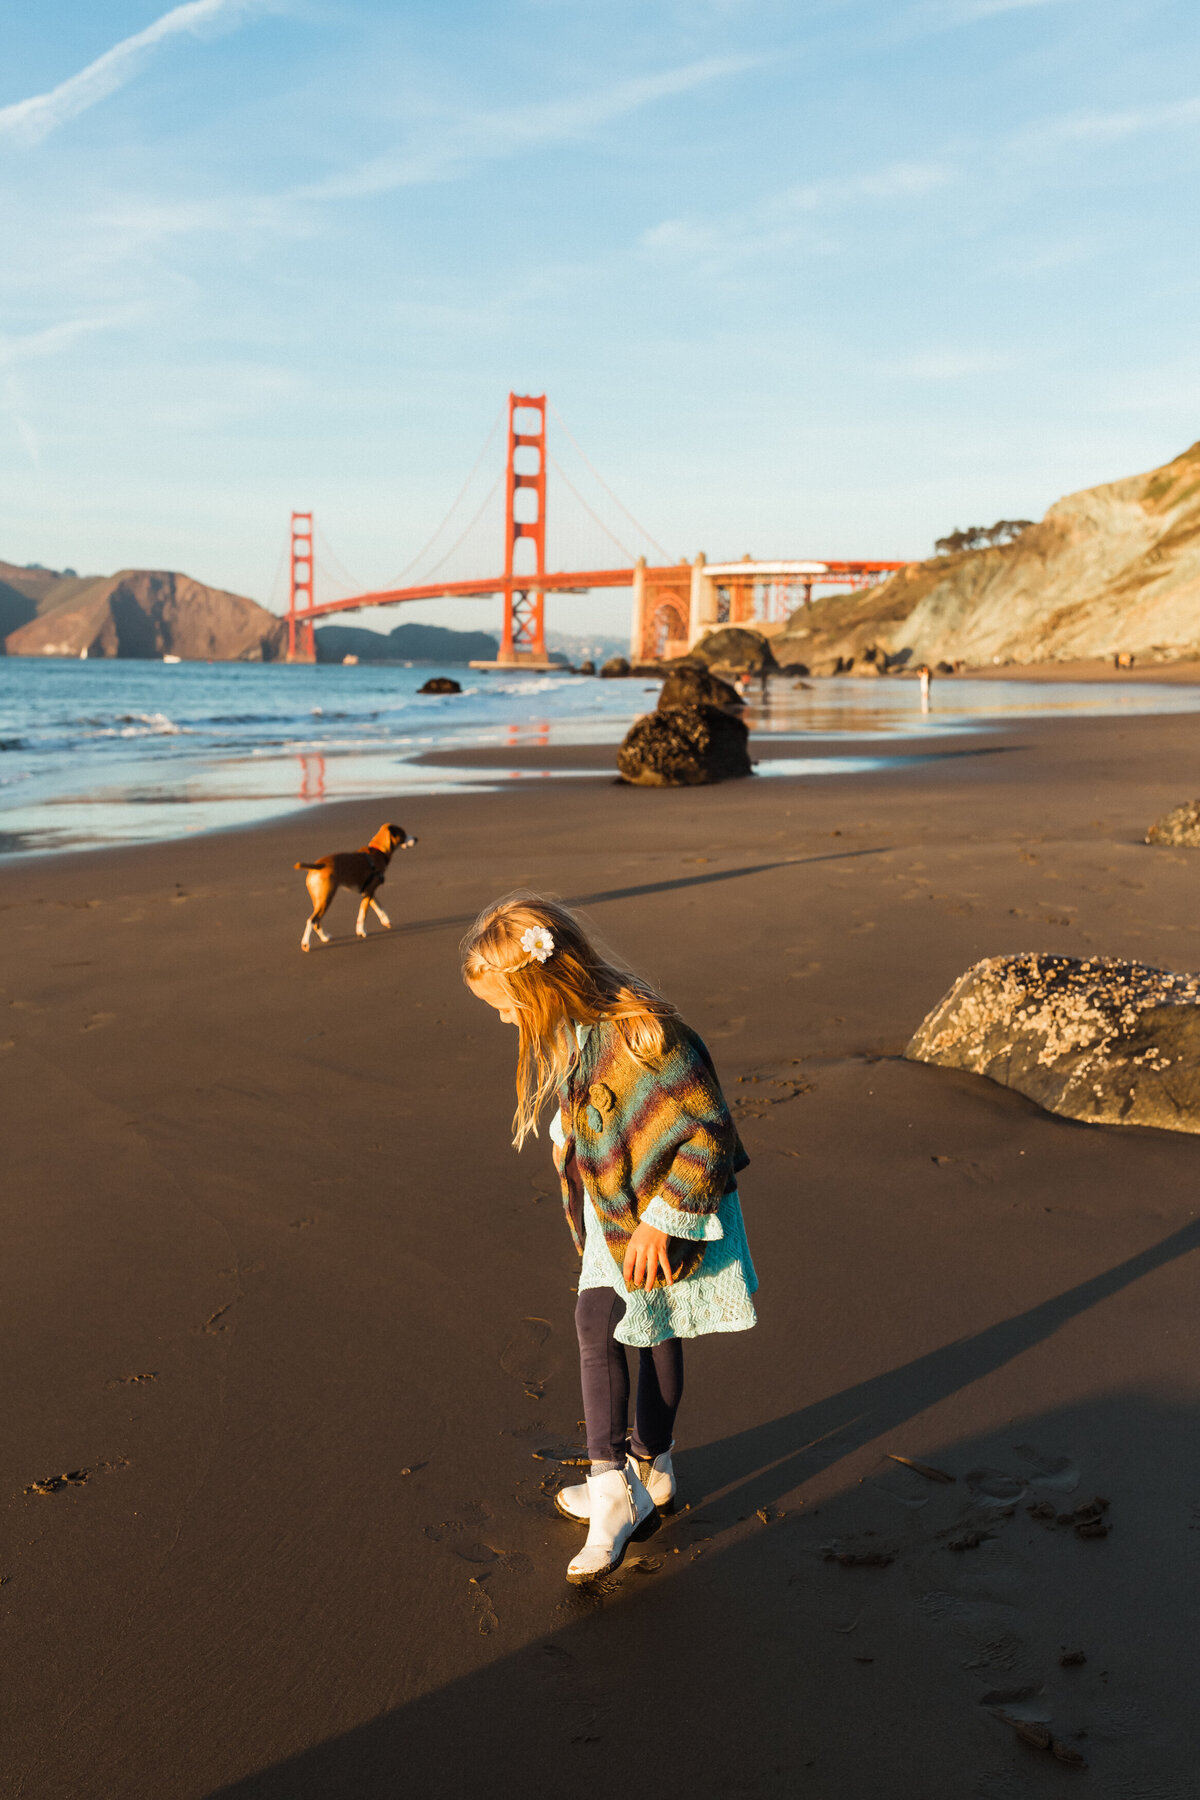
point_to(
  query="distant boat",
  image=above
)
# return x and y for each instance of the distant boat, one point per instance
(349, 661)
(83, 654)
(165, 658)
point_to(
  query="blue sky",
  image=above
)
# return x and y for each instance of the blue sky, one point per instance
(802, 279)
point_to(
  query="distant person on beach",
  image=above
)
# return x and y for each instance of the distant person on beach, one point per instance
(926, 674)
(648, 1156)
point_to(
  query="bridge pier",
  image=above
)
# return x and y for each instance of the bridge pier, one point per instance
(523, 640)
(302, 645)
(662, 602)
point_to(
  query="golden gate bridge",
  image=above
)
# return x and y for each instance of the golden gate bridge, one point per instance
(674, 604)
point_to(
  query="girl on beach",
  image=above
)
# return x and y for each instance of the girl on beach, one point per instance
(647, 1153)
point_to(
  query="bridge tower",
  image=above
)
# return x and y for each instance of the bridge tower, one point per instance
(302, 646)
(524, 635)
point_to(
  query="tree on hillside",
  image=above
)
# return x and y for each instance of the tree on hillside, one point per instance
(976, 537)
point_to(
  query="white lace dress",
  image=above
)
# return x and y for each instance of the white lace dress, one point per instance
(715, 1298)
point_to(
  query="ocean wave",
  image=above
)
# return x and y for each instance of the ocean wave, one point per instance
(133, 725)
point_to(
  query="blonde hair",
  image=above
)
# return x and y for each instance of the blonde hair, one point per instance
(578, 983)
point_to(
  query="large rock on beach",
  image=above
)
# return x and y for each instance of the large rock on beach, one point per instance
(734, 647)
(1180, 827)
(1103, 1041)
(687, 746)
(696, 686)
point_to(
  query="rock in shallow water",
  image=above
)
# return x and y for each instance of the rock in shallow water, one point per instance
(688, 686)
(734, 647)
(688, 746)
(1182, 826)
(1107, 1042)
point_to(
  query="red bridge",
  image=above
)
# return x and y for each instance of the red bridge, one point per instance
(674, 604)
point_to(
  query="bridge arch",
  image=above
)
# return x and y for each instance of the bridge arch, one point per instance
(668, 630)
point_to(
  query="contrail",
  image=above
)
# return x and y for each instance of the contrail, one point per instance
(29, 121)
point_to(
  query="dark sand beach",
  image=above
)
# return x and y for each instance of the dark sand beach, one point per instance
(297, 1322)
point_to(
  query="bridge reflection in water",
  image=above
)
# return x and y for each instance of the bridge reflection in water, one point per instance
(312, 777)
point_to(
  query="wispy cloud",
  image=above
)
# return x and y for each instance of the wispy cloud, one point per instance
(944, 15)
(948, 364)
(29, 121)
(489, 136)
(54, 339)
(775, 222)
(895, 181)
(1109, 127)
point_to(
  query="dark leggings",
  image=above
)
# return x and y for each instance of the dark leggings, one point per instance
(605, 1376)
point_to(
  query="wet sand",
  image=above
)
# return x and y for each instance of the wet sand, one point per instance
(296, 1322)
(1176, 674)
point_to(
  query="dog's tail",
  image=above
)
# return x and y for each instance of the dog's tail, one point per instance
(306, 865)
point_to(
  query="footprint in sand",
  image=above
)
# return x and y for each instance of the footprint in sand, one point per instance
(98, 1019)
(527, 1358)
(481, 1600)
(1058, 1473)
(993, 1487)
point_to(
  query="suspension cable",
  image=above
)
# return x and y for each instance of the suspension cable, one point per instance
(561, 422)
(329, 559)
(284, 548)
(428, 545)
(487, 501)
(554, 463)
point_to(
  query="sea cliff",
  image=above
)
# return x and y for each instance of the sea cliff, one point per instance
(1110, 569)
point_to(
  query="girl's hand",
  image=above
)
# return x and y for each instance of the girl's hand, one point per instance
(646, 1256)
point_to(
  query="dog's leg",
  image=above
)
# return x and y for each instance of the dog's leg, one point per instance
(361, 928)
(381, 915)
(320, 895)
(314, 924)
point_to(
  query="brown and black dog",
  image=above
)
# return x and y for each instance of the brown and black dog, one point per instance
(363, 869)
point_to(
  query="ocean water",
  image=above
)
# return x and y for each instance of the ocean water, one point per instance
(112, 752)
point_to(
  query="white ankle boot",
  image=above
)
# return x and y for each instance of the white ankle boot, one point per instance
(656, 1475)
(617, 1505)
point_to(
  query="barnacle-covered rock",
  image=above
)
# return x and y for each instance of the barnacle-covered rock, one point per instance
(1181, 826)
(1107, 1042)
(688, 746)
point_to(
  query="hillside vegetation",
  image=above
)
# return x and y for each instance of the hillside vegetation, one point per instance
(418, 643)
(1112, 568)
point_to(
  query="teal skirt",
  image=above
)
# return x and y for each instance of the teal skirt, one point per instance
(715, 1298)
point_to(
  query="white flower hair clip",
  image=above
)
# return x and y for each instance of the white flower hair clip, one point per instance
(537, 943)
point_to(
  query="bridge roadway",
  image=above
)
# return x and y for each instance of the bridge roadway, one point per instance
(673, 604)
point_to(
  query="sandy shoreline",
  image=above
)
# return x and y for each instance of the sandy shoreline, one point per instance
(1185, 674)
(281, 1294)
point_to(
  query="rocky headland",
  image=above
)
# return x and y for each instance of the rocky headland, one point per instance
(1110, 570)
(143, 613)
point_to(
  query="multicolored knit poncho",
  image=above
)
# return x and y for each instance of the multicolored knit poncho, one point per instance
(636, 1131)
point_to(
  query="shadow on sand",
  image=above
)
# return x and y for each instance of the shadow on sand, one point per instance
(412, 927)
(732, 1657)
